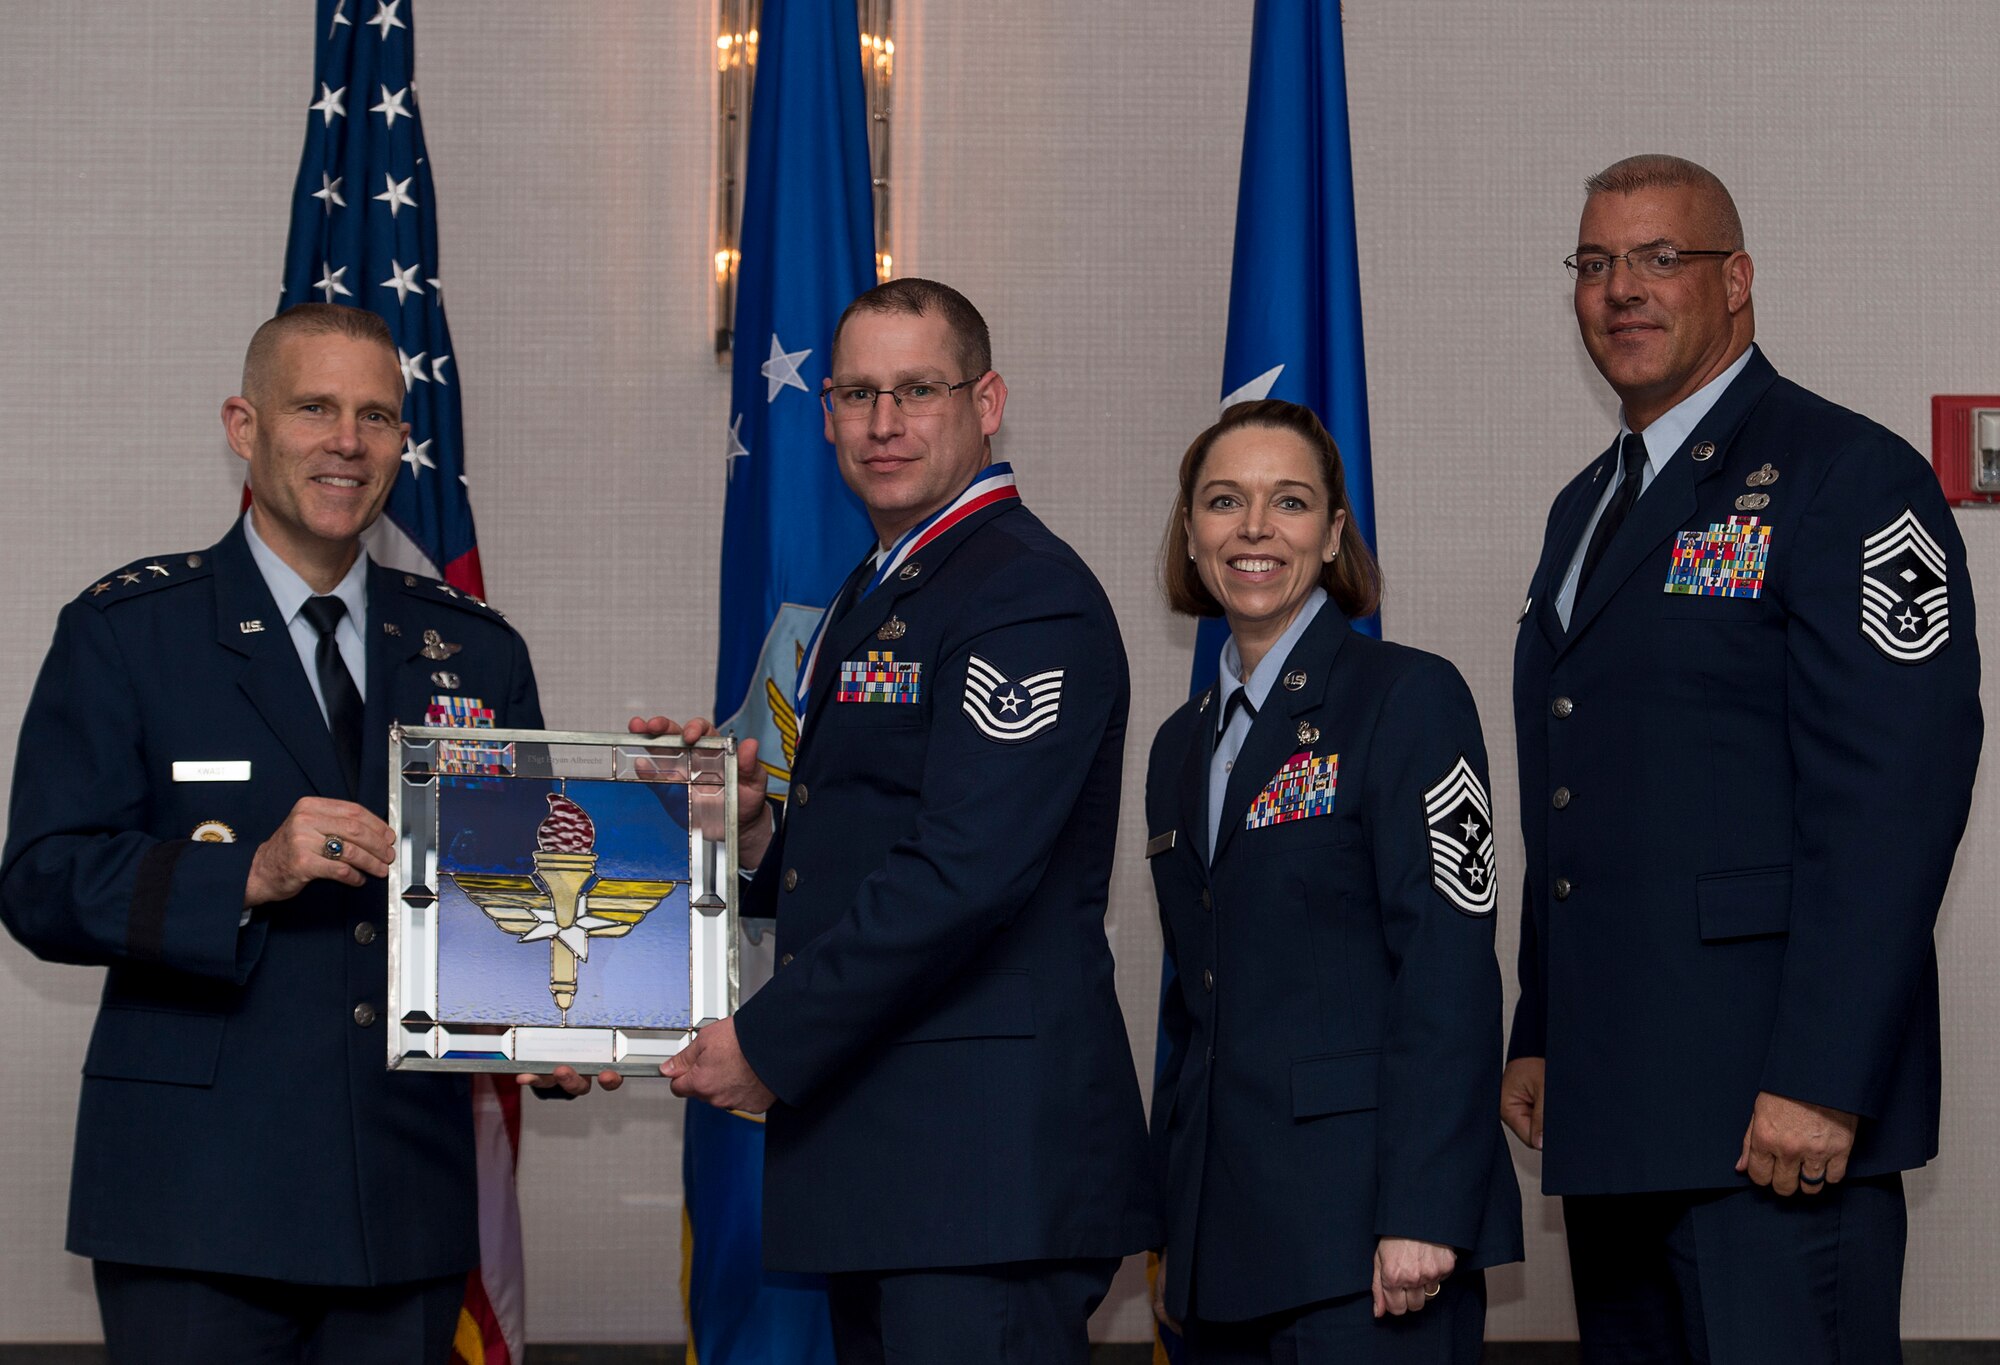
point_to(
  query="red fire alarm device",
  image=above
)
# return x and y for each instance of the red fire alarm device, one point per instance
(1965, 446)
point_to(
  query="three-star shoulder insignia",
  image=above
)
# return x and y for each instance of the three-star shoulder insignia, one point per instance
(434, 592)
(142, 576)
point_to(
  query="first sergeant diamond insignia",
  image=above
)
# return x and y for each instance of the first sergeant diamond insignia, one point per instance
(1463, 860)
(1904, 611)
(1009, 710)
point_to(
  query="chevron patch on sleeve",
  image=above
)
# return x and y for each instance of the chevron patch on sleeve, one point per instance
(1009, 710)
(1904, 611)
(1463, 859)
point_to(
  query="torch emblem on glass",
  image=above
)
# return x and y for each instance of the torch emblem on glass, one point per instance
(563, 901)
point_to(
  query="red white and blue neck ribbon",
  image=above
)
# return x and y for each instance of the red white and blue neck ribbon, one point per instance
(992, 485)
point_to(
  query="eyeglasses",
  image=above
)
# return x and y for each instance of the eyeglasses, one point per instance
(1647, 262)
(856, 403)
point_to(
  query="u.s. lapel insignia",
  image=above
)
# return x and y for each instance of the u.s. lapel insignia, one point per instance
(213, 832)
(1753, 502)
(1702, 452)
(1904, 608)
(437, 647)
(892, 629)
(910, 570)
(1308, 732)
(1762, 478)
(391, 628)
(1011, 710)
(1463, 860)
(448, 681)
(1295, 680)
(250, 627)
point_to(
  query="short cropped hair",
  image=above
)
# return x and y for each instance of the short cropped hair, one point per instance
(922, 298)
(309, 319)
(1353, 579)
(1658, 171)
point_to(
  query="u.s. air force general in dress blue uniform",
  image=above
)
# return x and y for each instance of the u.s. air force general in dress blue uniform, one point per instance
(236, 1115)
(1746, 761)
(954, 1081)
(1335, 1027)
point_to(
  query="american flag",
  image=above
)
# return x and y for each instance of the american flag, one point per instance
(364, 233)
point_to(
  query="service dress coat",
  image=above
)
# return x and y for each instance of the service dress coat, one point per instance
(1332, 1038)
(1745, 767)
(237, 1116)
(954, 1081)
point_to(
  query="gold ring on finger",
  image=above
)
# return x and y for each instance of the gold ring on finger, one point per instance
(334, 848)
(1431, 1290)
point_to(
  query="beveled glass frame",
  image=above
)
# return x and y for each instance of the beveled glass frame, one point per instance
(418, 1038)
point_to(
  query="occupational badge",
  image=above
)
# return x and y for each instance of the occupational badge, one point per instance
(1463, 860)
(444, 678)
(1762, 478)
(1010, 710)
(213, 832)
(1904, 611)
(1304, 787)
(892, 629)
(437, 647)
(881, 678)
(1726, 560)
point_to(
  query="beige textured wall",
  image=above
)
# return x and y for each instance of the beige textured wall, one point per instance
(1072, 166)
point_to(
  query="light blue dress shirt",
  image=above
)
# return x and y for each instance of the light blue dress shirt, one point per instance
(1663, 438)
(1229, 681)
(290, 592)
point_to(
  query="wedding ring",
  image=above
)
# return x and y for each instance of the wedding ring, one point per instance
(334, 848)
(1431, 1290)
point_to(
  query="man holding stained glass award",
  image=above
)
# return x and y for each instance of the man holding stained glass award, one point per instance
(196, 810)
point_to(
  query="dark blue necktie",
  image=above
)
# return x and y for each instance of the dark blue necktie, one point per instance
(1632, 452)
(336, 685)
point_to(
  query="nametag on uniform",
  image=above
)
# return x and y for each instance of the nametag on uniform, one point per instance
(212, 770)
(1303, 788)
(1159, 844)
(879, 678)
(1726, 560)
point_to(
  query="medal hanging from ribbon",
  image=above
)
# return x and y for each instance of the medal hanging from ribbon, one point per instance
(993, 484)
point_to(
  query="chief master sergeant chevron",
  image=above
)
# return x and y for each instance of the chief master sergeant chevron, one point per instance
(195, 808)
(955, 1133)
(1746, 694)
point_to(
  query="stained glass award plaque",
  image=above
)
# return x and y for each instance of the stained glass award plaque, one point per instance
(558, 898)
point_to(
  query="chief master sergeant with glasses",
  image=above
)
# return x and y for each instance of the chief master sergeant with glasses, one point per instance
(1746, 694)
(955, 1133)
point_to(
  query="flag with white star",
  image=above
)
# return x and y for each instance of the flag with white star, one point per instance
(364, 233)
(1295, 283)
(791, 533)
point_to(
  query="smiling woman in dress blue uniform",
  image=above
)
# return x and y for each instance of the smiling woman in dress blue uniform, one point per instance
(1322, 845)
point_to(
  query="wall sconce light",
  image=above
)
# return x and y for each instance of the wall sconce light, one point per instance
(736, 73)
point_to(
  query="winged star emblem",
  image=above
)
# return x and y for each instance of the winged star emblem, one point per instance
(563, 901)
